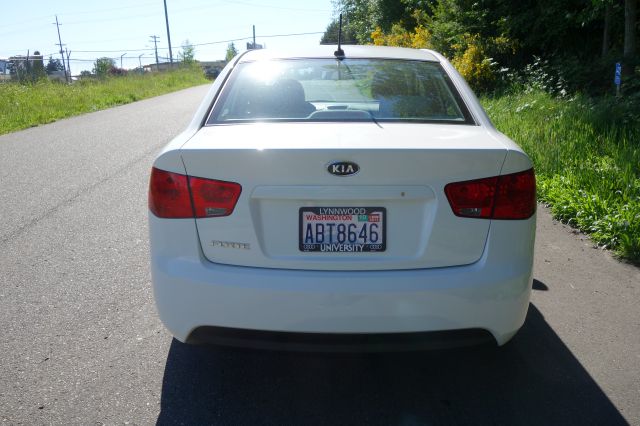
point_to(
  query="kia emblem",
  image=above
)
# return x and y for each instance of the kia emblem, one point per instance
(343, 168)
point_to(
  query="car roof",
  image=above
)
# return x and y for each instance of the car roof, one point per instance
(350, 51)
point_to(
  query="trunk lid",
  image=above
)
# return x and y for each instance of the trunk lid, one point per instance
(282, 168)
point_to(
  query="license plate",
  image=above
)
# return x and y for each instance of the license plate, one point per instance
(343, 229)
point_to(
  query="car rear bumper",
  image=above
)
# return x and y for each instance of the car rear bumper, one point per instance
(192, 293)
(342, 342)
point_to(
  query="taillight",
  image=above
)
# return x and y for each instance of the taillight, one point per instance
(169, 196)
(213, 197)
(516, 196)
(510, 196)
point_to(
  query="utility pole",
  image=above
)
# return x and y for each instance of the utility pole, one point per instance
(155, 43)
(140, 60)
(166, 18)
(66, 76)
(68, 64)
(121, 56)
(254, 36)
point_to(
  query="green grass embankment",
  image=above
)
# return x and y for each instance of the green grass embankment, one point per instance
(587, 158)
(28, 105)
(586, 153)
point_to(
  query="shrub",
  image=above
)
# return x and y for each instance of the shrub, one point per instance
(473, 63)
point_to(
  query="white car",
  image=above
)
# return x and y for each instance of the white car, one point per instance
(355, 200)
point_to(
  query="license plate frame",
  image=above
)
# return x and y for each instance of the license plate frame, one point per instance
(375, 222)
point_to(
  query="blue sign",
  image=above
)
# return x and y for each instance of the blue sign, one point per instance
(617, 79)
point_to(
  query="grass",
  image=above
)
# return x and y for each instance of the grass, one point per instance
(28, 105)
(586, 152)
(587, 158)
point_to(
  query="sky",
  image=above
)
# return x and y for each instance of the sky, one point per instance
(95, 29)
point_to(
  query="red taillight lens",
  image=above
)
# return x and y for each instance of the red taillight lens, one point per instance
(510, 196)
(169, 196)
(213, 197)
(516, 196)
(472, 198)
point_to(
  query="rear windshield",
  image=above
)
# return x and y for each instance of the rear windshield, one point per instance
(334, 90)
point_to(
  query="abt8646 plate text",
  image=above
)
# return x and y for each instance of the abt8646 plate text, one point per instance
(342, 229)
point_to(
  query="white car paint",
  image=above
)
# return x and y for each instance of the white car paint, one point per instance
(440, 272)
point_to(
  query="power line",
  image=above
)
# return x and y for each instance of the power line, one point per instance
(155, 38)
(146, 15)
(118, 50)
(291, 34)
(244, 3)
(88, 12)
(119, 18)
(221, 41)
(203, 44)
(21, 23)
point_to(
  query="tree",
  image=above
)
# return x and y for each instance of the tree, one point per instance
(330, 35)
(630, 22)
(231, 52)
(26, 68)
(487, 37)
(103, 66)
(37, 66)
(54, 65)
(18, 67)
(606, 31)
(361, 17)
(188, 53)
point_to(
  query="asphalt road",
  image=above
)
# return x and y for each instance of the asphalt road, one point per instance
(80, 342)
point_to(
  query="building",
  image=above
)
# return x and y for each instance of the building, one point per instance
(210, 68)
(4, 72)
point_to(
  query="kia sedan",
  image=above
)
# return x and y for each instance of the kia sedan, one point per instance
(352, 199)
